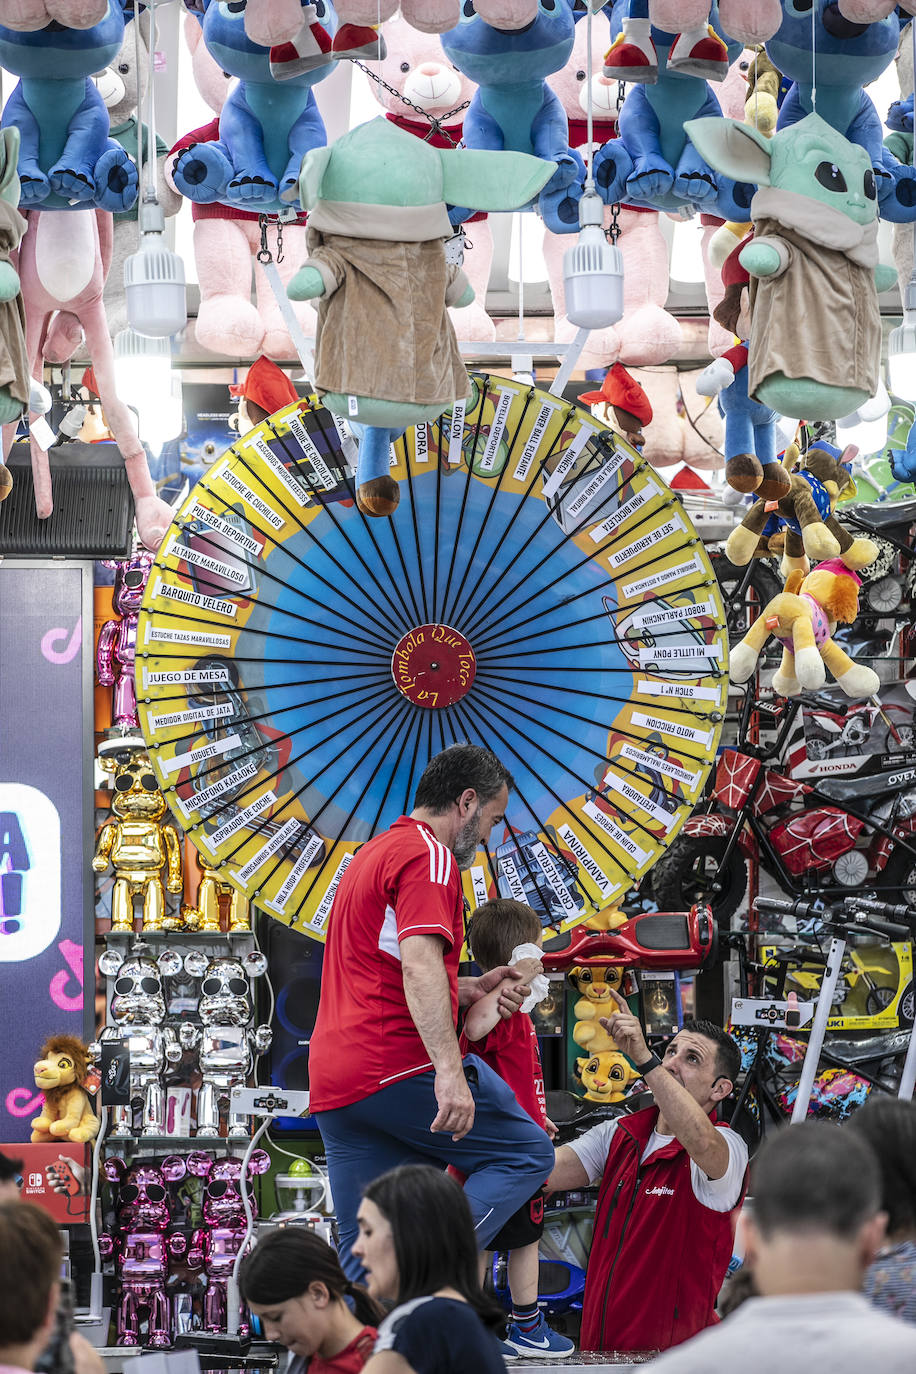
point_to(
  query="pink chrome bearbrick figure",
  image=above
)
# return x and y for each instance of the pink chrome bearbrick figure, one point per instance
(215, 1246)
(118, 641)
(144, 1246)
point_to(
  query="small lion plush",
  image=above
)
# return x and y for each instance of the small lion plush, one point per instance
(60, 1073)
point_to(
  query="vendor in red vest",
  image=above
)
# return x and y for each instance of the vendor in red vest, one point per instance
(672, 1178)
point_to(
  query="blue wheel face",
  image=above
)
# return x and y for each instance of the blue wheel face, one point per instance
(538, 590)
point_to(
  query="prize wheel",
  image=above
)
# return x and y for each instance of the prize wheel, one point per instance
(538, 590)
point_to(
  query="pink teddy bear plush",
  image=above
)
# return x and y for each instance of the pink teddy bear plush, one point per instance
(646, 334)
(416, 68)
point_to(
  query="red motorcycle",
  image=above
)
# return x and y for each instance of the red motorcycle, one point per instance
(828, 837)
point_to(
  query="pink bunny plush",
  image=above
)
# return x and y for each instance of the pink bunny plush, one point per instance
(29, 15)
(646, 334)
(63, 262)
(417, 69)
(226, 244)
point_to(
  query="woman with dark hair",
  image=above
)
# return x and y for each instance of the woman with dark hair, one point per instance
(888, 1124)
(293, 1282)
(417, 1244)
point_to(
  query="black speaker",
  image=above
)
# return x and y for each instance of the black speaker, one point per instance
(294, 969)
(93, 506)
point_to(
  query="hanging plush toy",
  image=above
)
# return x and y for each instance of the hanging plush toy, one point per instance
(820, 51)
(227, 241)
(803, 618)
(869, 11)
(29, 15)
(815, 347)
(267, 125)
(436, 16)
(653, 162)
(647, 333)
(623, 395)
(60, 1073)
(67, 158)
(415, 80)
(386, 355)
(750, 428)
(697, 49)
(803, 521)
(514, 109)
(14, 363)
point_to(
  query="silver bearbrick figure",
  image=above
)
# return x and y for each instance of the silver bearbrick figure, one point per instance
(226, 1042)
(138, 1009)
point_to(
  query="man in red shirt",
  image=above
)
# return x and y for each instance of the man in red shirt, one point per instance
(671, 1181)
(388, 1084)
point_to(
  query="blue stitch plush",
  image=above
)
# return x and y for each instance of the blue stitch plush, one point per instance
(266, 126)
(846, 57)
(653, 163)
(513, 109)
(67, 160)
(903, 461)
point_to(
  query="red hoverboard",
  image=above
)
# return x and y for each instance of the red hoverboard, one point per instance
(660, 940)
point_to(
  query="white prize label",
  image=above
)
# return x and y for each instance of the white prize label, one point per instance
(421, 449)
(232, 782)
(455, 435)
(554, 878)
(250, 498)
(285, 478)
(296, 874)
(669, 615)
(216, 604)
(241, 819)
(508, 871)
(497, 429)
(595, 485)
(660, 765)
(199, 639)
(683, 691)
(618, 517)
(225, 528)
(196, 756)
(185, 675)
(193, 716)
(479, 884)
(673, 727)
(286, 832)
(587, 863)
(679, 654)
(568, 461)
(230, 571)
(531, 449)
(307, 444)
(640, 546)
(620, 837)
(323, 910)
(661, 579)
(637, 799)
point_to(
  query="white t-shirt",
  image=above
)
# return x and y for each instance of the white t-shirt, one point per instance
(718, 1194)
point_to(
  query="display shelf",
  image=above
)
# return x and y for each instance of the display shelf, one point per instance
(177, 1142)
(260, 1355)
(164, 937)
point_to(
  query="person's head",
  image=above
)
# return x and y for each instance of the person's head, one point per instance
(705, 1060)
(888, 1124)
(416, 1237)
(293, 1281)
(498, 926)
(10, 1178)
(30, 1258)
(815, 1221)
(466, 790)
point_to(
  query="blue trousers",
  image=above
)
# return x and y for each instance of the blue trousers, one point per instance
(505, 1155)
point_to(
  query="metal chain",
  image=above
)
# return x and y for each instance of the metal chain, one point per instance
(264, 253)
(436, 125)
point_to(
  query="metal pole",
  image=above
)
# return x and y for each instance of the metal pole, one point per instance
(818, 1028)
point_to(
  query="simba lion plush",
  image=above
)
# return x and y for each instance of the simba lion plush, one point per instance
(59, 1073)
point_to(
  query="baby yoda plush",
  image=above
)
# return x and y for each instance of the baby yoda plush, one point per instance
(815, 346)
(385, 353)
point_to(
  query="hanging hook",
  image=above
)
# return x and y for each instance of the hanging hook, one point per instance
(264, 253)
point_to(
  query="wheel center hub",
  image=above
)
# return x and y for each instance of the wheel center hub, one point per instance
(433, 666)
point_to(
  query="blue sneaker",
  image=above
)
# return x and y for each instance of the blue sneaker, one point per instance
(540, 1343)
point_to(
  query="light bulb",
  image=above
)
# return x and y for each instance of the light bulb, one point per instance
(154, 281)
(145, 382)
(593, 271)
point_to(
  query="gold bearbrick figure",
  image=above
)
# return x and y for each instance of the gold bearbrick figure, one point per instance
(137, 844)
(212, 893)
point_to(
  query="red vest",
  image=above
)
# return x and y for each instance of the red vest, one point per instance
(658, 1256)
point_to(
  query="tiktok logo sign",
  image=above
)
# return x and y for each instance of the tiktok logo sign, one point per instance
(30, 893)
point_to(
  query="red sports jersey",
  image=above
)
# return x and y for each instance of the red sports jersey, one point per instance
(403, 882)
(511, 1050)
